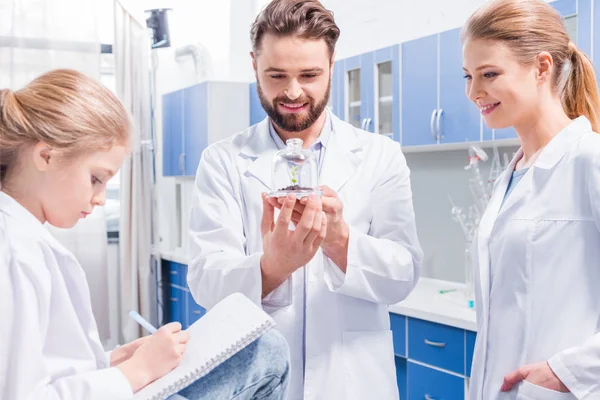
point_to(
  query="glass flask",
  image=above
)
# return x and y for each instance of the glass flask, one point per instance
(294, 171)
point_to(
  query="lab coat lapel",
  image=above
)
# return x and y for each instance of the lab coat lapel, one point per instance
(521, 190)
(261, 148)
(486, 226)
(548, 158)
(343, 155)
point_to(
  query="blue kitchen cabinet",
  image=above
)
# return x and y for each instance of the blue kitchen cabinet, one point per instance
(583, 18)
(177, 274)
(428, 383)
(354, 101)
(385, 92)
(197, 116)
(435, 108)
(470, 348)
(438, 345)
(177, 304)
(431, 359)
(337, 89)
(458, 118)
(257, 112)
(436, 360)
(176, 293)
(194, 311)
(401, 376)
(367, 91)
(419, 91)
(195, 121)
(172, 121)
(184, 130)
(398, 327)
(181, 306)
(596, 38)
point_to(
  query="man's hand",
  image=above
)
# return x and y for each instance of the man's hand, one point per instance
(335, 245)
(284, 250)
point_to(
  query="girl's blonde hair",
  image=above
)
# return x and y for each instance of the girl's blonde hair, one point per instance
(530, 27)
(67, 110)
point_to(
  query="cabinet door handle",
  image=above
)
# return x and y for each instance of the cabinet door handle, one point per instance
(181, 163)
(197, 312)
(440, 135)
(173, 298)
(437, 124)
(435, 344)
(428, 397)
(363, 124)
(173, 272)
(431, 122)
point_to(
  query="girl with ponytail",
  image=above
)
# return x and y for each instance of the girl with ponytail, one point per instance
(61, 138)
(537, 250)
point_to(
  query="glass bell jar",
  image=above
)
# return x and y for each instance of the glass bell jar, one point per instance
(294, 171)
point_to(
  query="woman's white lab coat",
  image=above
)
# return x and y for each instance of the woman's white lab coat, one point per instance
(538, 272)
(49, 344)
(346, 342)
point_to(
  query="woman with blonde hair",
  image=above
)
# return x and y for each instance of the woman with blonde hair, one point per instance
(61, 139)
(537, 251)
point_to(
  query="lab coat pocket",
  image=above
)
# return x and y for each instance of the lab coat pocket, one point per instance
(369, 367)
(529, 391)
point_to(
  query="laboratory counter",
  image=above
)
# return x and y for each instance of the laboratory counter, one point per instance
(438, 301)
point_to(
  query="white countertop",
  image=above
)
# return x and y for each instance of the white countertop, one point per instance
(178, 255)
(427, 303)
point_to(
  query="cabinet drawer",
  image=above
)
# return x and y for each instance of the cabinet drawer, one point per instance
(177, 274)
(438, 345)
(398, 327)
(401, 378)
(195, 311)
(177, 304)
(470, 342)
(429, 384)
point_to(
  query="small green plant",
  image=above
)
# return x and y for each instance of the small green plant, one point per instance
(294, 173)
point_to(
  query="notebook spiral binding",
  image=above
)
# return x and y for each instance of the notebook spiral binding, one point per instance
(198, 373)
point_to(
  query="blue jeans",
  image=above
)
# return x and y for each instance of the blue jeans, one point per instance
(258, 372)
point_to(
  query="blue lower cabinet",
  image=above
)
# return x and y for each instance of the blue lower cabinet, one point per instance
(177, 298)
(431, 384)
(438, 345)
(195, 311)
(401, 377)
(470, 343)
(398, 327)
(177, 274)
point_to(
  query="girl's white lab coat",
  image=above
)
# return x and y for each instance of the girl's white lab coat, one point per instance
(49, 343)
(336, 325)
(538, 272)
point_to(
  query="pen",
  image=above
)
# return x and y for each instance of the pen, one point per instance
(140, 320)
(447, 291)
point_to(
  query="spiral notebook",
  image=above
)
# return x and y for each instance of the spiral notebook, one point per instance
(223, 331)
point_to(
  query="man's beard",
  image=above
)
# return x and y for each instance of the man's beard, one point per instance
(294, 122)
